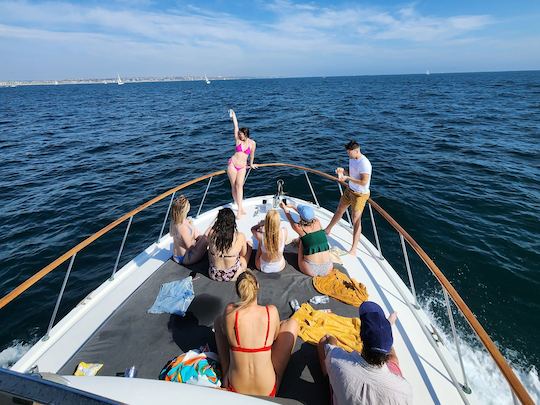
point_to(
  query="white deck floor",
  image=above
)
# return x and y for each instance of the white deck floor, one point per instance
(419, 362)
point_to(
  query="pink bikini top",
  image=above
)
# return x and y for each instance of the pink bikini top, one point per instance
(247, 151)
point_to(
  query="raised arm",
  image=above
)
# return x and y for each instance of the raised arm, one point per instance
(285, 209)
(235, 123)
(256, 230)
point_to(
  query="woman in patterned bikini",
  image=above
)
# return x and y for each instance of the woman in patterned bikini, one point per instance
(236, 168)
(228, 251)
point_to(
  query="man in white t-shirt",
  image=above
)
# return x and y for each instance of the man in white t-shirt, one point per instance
(369, 378)
(357, 192)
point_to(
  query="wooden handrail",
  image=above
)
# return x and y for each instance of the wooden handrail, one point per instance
(508, 373)
(77, 248)
(490, 346)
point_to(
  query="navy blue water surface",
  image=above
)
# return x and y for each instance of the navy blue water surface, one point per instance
(455, 160)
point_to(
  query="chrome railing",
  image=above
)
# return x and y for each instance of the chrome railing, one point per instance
(517, 389)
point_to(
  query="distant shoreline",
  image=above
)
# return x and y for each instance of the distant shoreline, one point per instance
(16, 83)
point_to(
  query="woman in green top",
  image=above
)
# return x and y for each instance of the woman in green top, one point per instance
(313, 249)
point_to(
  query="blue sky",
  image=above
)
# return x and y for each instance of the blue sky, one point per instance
(69, 39)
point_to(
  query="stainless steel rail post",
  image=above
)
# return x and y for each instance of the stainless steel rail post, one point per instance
(311, 188)
(166, 216)
(247, 175)
(375, 231)
(411, 281)
(428, 334)
(204, 197)
(53, 317)
(121, 248)
(465, 385)
(347, 211)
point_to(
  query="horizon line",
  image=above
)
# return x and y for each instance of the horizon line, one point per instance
(133, 79)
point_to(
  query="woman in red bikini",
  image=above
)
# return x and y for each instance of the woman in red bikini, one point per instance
(254, 347)
(236, 169)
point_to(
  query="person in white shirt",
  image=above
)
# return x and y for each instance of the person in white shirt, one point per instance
(357, 192)
(373, 376)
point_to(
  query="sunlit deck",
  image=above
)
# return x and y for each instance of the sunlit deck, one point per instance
(111, 325)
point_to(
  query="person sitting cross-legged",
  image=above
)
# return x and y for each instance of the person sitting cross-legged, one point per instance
(373, 376)
(254, 346)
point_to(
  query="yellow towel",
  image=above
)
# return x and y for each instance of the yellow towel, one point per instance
(315, 324)
(339, 286)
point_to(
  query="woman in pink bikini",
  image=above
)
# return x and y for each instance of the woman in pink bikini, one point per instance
(236, 169)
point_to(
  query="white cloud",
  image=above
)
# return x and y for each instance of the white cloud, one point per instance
(298, 38)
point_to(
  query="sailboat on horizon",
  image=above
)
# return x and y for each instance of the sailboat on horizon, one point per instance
(119, 80)
(206, 79)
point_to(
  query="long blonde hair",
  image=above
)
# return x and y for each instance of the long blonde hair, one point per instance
(271, 234)
(247, 288)
(179, 209)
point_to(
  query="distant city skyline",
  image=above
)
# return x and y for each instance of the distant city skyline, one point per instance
(41, 40)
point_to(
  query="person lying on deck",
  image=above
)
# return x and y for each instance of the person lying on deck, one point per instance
(228, 250)
(370, 377)
(188, 246)
(272, 238)
(313, 249)
(254, 347)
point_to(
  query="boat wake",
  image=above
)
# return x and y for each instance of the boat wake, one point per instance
(483, 374)
(13, 353)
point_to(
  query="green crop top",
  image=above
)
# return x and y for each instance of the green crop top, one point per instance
(314, 242)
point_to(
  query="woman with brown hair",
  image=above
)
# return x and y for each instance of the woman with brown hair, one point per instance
(188, 246)
(272, 238)
(236, 167)
(228, 250)
(254, 347)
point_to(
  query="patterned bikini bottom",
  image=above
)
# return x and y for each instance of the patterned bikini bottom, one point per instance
(224, 275)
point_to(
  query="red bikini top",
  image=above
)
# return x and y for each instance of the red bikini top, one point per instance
(245, 349)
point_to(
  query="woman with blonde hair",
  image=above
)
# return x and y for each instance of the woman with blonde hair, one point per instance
(254, 347)
(272, 238)
(188, 246)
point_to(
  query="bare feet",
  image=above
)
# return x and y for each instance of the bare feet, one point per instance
(240, 213)
(392, 318)
(352, 252)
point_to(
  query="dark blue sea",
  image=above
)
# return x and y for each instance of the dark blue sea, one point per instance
(455, 161)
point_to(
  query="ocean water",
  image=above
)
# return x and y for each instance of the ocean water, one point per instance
(455, 161)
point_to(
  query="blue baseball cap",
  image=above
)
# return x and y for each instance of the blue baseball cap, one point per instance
(375, 330)
(306, 212)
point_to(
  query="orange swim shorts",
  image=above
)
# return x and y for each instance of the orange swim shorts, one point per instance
(357, 201)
